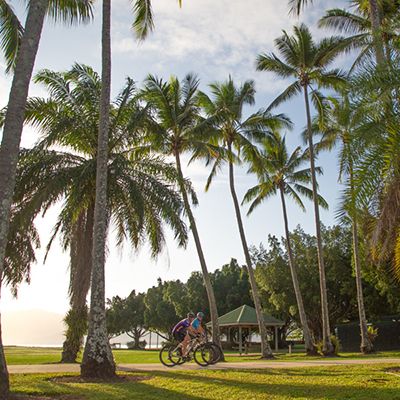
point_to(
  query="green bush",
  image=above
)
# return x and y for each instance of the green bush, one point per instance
(372, 333)
(334, 341)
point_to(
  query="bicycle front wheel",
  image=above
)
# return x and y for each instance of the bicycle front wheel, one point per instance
(169, 355)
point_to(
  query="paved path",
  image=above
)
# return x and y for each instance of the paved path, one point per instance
(62, 368)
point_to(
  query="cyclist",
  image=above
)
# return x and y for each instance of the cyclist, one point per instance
(196, 328)
(180, 331)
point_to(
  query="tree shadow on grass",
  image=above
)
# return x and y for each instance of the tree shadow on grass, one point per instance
(232, 384)
(359, 391)
(104, 391)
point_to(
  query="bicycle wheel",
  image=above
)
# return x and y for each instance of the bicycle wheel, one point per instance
(216, 355)
(202, 355)
(175, 355)
(165, 355)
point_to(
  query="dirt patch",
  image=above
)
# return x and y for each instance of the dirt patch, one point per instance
(117, 379)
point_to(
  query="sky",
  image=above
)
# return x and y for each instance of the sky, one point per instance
(213, 39)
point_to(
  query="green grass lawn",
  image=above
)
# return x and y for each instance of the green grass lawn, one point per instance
(38, 355)
(330, 383)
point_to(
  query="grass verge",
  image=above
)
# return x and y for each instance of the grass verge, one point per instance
(328, 383)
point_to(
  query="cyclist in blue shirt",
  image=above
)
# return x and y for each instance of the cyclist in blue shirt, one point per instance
(196, 328)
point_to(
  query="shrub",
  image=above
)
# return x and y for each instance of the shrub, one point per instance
(335, 342)
(372, 333)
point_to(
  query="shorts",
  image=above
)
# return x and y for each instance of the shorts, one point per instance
(180, 336)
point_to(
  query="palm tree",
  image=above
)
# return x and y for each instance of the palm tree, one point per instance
(296, 7)
(175, 130)
(307, 62)
(11, 32)
(377, 172)
(231, 131)
(69, 11)
(358, 25)
(277, 171)
(138, 197)
(344, 123)
(97, 358)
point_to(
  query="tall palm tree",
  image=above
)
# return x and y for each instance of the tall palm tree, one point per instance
(69, 11)
(232, 132)
(175, 130)
(344, 125)
(307, 62)
(296, 7)
(97, 358)
(138, 197)
(279, 172)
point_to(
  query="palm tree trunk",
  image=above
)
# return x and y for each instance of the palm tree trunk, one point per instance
(97, 357)
(327, 347)
(266, 351)
(366, 344)
(196, 236)
(376, 31)
(81, 270)
(310, 347)
(12, 132)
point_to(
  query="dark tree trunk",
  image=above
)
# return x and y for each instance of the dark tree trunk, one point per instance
(309, 345)
(98, 360)
(327, 347)
(366, 346)
(376, 31)
(196, 236)
(266, 351)
(13, 124)
(81, 270)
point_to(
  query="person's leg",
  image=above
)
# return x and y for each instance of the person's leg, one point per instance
(185, 343)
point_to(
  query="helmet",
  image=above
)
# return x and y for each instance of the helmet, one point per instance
(200, 314)
(190, 314)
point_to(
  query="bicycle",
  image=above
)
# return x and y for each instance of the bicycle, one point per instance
(202, 352)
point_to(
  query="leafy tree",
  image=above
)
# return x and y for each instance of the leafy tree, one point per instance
(280, 172)
(307, 61)
(127, 316)
(273, 275)
(159, 315)
(232, 287)
(233, 132)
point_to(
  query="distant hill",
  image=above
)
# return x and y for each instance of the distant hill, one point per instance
(32, 328)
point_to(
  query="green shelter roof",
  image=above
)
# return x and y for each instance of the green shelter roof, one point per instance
(246, 316)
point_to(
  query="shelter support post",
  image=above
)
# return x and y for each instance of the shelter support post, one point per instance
(240, 340)
(276, 338)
